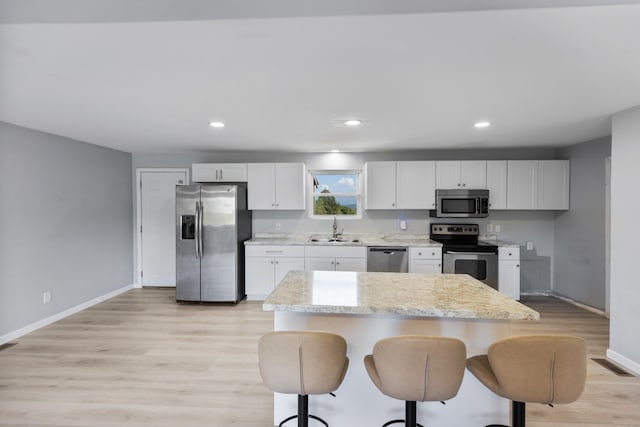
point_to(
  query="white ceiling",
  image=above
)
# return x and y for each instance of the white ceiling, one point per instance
(281, 78)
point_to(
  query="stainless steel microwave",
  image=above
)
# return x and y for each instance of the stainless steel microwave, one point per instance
(462, 203)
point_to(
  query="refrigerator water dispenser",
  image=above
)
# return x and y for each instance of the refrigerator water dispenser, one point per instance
(188, 227)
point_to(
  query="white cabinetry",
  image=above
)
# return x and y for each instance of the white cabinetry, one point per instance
(400, 185)
(219, 172)
(497, 183)
(509, 271)
(336, 258)
(538, 184)
(276, 186)
(553, 184)
(427, 260)
(265, 266)
(461, 174)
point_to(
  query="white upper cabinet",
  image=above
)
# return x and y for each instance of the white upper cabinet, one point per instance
(416, 185)
(497, 183)
(276, 186)
(400, 185)
(380, 185)
(461, 174)
(553, 184)
(219, 172)
(522, 184)
(538, 184)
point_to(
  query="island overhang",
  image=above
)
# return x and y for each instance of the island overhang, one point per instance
(407, 294)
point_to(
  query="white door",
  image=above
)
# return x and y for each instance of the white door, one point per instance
(380, 185)
(289, 186)
(497, 183)
(261, 186)
(416, 185)
(448, 174)
(157, 226)
(473, 174)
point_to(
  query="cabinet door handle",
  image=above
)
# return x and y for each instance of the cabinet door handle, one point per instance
(220, 173)
(458, 184)
(464, 185)
(518, 265)
(419, 253)
(433, 254)
(276, 262)
(271, 262)
(216, 173)
(273, 252)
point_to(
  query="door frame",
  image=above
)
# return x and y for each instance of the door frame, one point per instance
(137, 281)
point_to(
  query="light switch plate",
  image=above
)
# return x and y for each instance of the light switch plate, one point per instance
(529, 246)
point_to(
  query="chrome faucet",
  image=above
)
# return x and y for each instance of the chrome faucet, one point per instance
(335, 234)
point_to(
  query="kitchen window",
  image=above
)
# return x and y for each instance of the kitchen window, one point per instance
(335, 193)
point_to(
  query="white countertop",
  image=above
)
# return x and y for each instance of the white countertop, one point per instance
(369, 239)
(418, 240)
(448, 295)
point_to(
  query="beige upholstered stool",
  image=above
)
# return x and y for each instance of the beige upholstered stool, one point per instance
(302, 363)
(537, 368)
(417, 368)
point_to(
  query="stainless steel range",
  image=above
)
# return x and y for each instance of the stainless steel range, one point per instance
(463, 254)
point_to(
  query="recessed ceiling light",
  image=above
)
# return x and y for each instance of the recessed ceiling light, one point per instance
(482, 125)
(353, 122)
(335, 151)
(216, 124)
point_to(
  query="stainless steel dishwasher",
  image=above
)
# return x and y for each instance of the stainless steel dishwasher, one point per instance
(387, 259)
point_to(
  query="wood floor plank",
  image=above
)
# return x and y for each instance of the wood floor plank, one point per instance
(140, 359)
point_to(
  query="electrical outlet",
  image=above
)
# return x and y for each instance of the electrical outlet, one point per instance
(497, 228)
(278, 226)
(529, 246)
(46, 297)
(489, 228)
(403, 224)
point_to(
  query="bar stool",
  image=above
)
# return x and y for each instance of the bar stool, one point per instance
(543, 369)
(302, 363)
(417, 368)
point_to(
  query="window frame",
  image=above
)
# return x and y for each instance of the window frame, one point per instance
(357, 195)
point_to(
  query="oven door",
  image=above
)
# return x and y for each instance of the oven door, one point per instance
(481, 265)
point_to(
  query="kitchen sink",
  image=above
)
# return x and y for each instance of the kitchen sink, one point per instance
(332, 240)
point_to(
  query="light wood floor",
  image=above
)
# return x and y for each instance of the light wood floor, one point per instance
(140, 359)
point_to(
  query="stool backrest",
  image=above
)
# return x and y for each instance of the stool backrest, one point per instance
(540, 368)
(420, 368)
(302, 362)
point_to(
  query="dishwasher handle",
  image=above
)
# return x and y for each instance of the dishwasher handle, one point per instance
(387, 250)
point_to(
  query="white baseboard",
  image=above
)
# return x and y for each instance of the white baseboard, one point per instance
(66, 313)
(624, 361)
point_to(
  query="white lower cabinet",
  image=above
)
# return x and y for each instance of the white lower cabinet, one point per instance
(509, 272)
(426, 260)
(266, 266)
(335, 258)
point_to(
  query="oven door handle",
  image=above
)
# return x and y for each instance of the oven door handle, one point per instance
(471, 253)
(477, 205)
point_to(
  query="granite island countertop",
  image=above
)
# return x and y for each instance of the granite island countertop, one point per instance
(439, 296)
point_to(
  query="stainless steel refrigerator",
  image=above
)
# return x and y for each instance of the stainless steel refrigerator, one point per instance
(212, 224)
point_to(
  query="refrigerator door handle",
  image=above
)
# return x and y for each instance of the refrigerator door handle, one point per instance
(197, 224)
(200, 228)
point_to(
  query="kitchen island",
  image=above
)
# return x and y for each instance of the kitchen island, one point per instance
(366, 307)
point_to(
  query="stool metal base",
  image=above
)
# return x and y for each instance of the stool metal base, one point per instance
(518, 412)
(409, 416)
(303, 413)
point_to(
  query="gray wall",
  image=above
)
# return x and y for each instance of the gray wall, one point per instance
(579, 263)
(625, 235)
(65, 221)
(517, 226)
